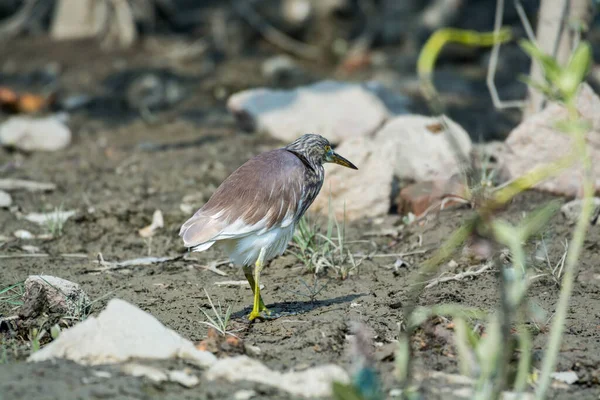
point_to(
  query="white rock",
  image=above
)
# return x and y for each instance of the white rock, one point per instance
(159, 375)
(421, 152)
(139, 370)
(183, 378)
(5, 199)
(333, 109)
(23, 234)
(572, 209)
(568, 377)
(58, 296)
(364, 192)
(244, 394)
(49, 217)
(31, 186)
(121, 332)
(404, 148)
(35, 134)
(536, 142)
(313, 382)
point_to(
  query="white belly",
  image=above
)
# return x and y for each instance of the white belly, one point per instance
(245, 250)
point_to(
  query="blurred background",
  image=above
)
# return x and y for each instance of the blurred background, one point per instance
(118, 59)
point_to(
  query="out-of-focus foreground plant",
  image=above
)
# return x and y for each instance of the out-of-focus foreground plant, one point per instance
(487, 358)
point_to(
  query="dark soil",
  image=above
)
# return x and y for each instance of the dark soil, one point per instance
(120, 168)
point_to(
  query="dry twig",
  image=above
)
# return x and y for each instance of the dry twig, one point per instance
(461, 276)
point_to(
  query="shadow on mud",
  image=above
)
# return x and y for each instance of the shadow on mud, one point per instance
(288, 308)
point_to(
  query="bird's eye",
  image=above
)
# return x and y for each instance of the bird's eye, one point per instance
(328, 149)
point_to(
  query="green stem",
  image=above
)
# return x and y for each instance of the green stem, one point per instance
(549, 362)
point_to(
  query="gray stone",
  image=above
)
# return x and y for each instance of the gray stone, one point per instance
(537, 142)
(121, 332)
(5, 199)
(46, 294)
(333, 109)
(310, 383)
(35, 134)
(408, 147)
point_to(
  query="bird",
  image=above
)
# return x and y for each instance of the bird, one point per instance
(253, 213)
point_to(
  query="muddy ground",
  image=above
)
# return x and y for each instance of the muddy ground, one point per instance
(120, 168)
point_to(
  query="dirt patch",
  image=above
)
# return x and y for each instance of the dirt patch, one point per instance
(119, 170)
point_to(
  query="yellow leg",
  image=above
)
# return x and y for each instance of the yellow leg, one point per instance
(250, 277)
(258, 306)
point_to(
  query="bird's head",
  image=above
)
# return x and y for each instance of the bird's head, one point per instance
(317, 151)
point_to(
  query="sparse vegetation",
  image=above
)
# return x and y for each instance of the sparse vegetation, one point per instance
(55, 222)
(220, 321)
(318, 251)
(12, 295)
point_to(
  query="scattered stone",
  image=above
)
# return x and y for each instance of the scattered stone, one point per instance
(336, 110)
(408, 148)
(365, 192)
(5, 199)
(313, 382)
(423, 147)
(157, 223)
(35, 134)
(50, 295)
(183, 378)
(121, 332)
(30, 186)
(30, 249)
(244, 394)
(572, 209)
(537, 142)
(23, 234)
(159, 375)
(568, 377)
(46, 218)
(139, 370)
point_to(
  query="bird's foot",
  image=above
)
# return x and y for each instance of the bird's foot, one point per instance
(263, 315)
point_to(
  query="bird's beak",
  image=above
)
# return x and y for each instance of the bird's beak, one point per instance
(337, 159)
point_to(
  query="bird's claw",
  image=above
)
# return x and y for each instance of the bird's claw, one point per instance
(264, 314)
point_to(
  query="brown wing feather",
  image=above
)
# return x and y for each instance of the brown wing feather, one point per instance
(268, 187)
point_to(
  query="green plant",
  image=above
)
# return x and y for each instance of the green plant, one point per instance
(221, 318)
(492, 353)
(319, 251)
(12, 295)
(55, 222)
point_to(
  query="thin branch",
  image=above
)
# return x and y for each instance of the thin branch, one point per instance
(525, 22)
(32, 255)
(493, 65)
(461, 276)
(114, 266)
(271, 34)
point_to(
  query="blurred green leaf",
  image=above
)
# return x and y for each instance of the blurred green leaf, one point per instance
(552, 70)
(538, 219)
(573, 127)
(543, 88)
(575, 71)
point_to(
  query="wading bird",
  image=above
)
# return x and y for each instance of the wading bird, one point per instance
(254, 212)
